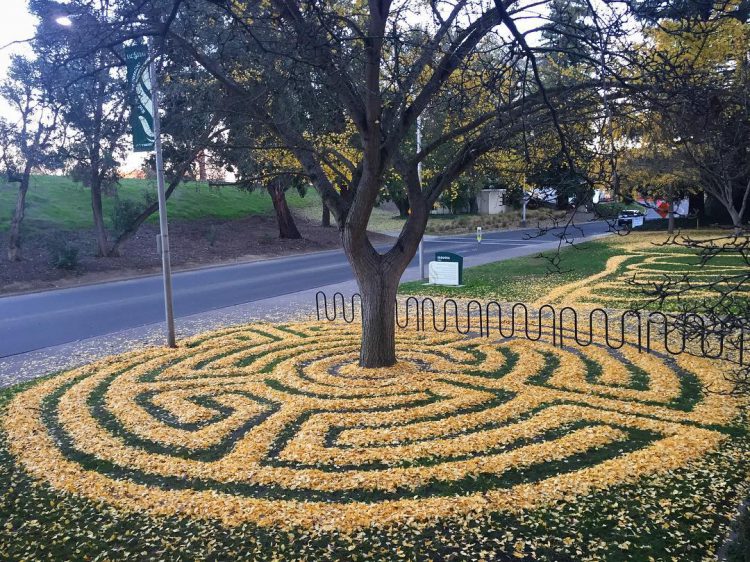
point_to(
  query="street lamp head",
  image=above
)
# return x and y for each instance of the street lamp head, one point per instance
(65, 21)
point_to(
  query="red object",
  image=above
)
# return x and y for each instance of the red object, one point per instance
(662, 207)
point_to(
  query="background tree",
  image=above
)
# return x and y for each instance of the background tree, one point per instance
(192, 123)
(699, 73)
(259, 163)
(654, 167)
(28, 139)
(694, 64)
(92, 92)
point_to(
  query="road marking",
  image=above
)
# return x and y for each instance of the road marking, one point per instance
(485, 242)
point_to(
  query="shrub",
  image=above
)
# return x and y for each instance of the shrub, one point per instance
(125, 211)
(63, 255)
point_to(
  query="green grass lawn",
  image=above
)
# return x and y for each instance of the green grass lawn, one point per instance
(627, 284)
(59, 202)
(523, 279)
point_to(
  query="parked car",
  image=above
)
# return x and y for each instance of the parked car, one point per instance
(630, 218)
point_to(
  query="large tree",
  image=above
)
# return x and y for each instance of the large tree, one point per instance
(305, 72)
(700, 78)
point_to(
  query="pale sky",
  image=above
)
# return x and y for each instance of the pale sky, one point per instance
(15, 25)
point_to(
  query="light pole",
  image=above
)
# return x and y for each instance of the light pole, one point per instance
(166, 262)
(65, 21)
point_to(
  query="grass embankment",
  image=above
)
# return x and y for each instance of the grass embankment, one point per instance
(58, 202)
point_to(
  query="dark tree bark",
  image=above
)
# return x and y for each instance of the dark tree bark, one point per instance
(326, 216)
(202, 175)
(102, 243)
(95, 169)
(473, 207)
(378, 318)
(287, 228)
(14, 240)
(403, 207)
(133, 227)
(670, 222)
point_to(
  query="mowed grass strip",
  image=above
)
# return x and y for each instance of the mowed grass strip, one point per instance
(523, 279)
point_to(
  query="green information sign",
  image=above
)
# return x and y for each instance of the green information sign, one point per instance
(450, 268)
(139, 89)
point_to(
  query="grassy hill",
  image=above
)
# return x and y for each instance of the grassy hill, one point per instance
(58, 202)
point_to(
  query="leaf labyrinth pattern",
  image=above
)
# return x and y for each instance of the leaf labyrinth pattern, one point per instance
(279, 426)
(648, 264)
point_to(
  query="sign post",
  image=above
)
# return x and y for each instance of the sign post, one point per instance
(146, 126)
(479, 235)
(419, 175)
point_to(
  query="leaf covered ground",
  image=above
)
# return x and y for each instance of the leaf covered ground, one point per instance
(267, 442)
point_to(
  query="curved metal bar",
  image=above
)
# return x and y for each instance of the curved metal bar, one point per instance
(636, 315)
(655, 320)
(336, 296)
(432, 308)
(649, 322)
(554, 322)
(704, 336)
(667, 331)
(406, 306)
(317, 302)
(354, 310)
(575, 327)
(741, 343)
(525, 317)
(499, 317)
(605, 315)
(468, 317)
(455, 315)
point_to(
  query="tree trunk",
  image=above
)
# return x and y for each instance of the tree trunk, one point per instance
(736, 220)
(403, 207)
(14, 239)
(326, 215)
(378, 318)
(287, 227)
(670, 222)
(96, 206)
(202, 175)
(378, 277)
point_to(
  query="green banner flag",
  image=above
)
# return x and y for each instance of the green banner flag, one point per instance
(139, 89)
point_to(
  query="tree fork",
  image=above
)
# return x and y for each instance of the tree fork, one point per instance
(284, 217)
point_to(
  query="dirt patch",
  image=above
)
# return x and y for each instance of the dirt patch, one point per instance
(193, 244)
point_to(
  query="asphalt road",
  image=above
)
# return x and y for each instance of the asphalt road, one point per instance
(38, 320)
